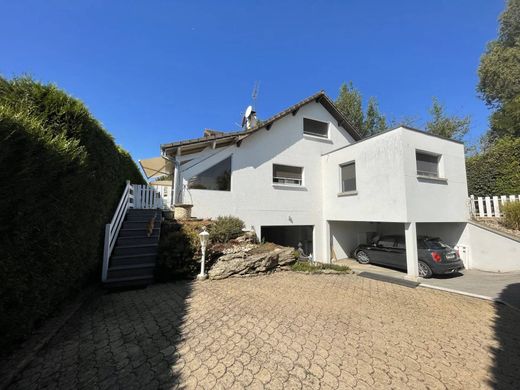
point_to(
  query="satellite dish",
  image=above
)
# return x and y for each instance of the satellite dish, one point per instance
(249, 110)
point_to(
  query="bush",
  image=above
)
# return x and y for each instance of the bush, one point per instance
(62, 176)
(511, 217)
(496, 171)
(224, 229)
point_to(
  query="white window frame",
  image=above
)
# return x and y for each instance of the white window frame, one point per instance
(340, 175)
(301, 181)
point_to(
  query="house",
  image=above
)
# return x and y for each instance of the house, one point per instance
(306, 176)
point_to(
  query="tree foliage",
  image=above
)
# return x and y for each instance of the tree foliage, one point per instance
(62, 176)
(497, 171)
(350, 103)
(453, 127)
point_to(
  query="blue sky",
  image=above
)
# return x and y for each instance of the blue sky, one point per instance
(158, 71)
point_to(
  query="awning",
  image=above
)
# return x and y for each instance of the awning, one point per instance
(156, 166)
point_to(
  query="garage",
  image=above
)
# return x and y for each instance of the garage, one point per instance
(290, 236)
(347, 235)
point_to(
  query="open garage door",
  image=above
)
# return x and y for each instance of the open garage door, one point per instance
(290, 236)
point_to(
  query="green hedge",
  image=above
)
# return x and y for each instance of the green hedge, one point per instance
(61, 177)
(496, 171)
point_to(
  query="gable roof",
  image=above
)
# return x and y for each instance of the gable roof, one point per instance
(219, 139)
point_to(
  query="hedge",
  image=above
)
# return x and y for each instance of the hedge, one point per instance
(61, 177)
(495, 171)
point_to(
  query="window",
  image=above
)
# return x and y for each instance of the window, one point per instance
(386, 242)
(217, 178)
(348, 177)
(285, 174)
(315, 128)
(427, 164)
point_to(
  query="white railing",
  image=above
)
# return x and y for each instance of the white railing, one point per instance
(147, 197)
(489, 206)
(112, 229)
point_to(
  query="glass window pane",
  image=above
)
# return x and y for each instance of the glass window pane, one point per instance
(348, 177)
(285, 174)
(217, 178)
(427, 164)
(316, 128)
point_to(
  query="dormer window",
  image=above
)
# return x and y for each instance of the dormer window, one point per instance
(315, 128)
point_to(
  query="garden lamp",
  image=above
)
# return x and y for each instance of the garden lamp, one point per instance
(204, 239)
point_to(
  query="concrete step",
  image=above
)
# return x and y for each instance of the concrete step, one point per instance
(125, 260)
(135, 249)
(138, 232)
(128, 282)
(143, 270)
(143, 224)
(137, 240)
(144, 211)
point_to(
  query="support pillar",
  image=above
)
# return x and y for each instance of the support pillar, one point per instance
(412, 257)
(326, 242)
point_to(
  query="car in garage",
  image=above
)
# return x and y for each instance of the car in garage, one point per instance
(435, 257)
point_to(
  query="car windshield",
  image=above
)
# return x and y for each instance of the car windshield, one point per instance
(435, 243)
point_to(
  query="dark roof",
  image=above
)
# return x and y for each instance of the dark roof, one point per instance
(319, 97)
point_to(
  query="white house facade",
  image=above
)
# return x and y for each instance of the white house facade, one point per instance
(305, 176)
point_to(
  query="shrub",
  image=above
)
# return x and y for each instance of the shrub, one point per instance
(496, 171)
(62, 176)
(511, 217)
(224, 229)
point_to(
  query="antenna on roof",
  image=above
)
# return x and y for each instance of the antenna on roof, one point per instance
(249, 119)
(254, 95)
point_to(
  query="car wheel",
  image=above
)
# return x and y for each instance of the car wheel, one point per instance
(362, 257)
(424, 270)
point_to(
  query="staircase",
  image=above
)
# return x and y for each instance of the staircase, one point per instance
(132, 261)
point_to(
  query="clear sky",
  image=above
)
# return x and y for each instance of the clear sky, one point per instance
(158, 71)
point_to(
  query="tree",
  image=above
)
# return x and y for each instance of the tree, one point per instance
(350, 103)
(499, 75)
(446, 126)
(374, 121)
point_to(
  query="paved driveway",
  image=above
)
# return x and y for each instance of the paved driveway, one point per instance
(284, 330)
(492, 285)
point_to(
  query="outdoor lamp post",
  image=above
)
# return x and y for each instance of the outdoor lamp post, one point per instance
(204, 238)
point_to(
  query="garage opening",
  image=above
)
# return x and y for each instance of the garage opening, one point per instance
(289, 236)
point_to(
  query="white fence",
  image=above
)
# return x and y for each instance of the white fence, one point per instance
(489, 206)
(147, 197)
(112, 229)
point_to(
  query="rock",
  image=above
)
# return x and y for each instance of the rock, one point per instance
(243, 263)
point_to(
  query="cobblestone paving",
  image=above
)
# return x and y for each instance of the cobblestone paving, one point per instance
(284, 330)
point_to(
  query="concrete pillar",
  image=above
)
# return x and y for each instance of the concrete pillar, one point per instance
(412, 257)
(325, 242)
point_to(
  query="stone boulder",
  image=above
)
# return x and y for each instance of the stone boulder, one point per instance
(241, 263)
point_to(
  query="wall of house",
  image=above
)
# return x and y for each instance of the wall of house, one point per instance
(490, 251)
(380, 192)
(432, 200)
(388, 189)
(253, 196)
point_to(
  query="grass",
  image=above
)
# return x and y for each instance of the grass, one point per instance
(305, 266)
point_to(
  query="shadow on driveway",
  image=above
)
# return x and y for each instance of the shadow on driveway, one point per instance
(507, 353)
(125, 339)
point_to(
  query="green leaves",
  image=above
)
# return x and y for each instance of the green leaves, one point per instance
(62, 176)
(453, 127)
(350, 103)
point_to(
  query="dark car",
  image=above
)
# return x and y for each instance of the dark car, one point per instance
(435, 257)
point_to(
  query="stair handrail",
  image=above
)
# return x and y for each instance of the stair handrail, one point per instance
(112, 229)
